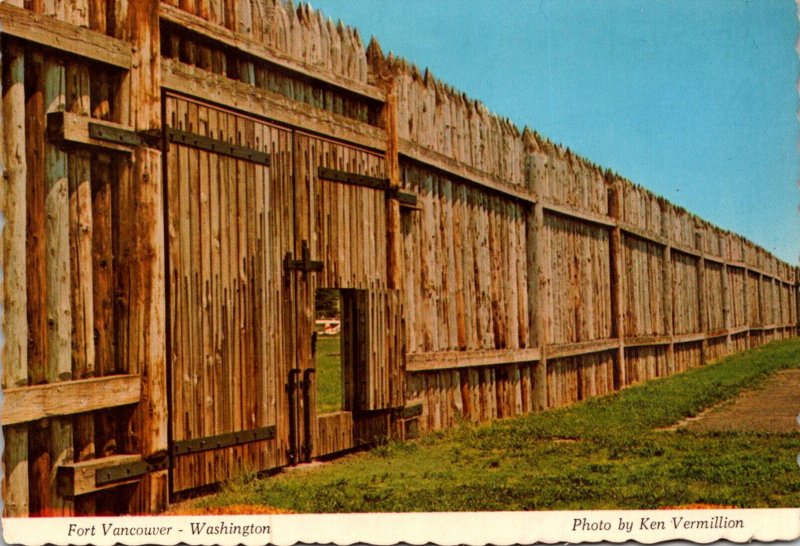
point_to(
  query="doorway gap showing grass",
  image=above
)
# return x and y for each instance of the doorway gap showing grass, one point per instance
(616, 457)
(327, 350)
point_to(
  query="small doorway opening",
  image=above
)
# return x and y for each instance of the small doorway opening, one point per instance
(327, 350)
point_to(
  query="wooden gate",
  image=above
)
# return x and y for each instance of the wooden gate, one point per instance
(258, 218)
(229, 225)
(340, 226)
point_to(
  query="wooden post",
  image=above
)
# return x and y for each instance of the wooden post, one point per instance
(726, 308)
(746, 294)
(668, 288)
(538, 284)
(38, 450)
(775, 304)
(797, 300)
(760, 295)
(701, 292)
(105, 424)
(57, 268)
(80, 238)
(617, 280)
(15, 321)
(394, 270)
(139, 106)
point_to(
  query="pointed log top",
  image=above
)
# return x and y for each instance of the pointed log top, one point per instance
(427, 78)
(374, 52)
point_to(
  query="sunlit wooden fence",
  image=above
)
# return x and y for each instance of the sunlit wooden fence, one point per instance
(181, 177)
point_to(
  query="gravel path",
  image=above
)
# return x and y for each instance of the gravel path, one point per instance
(771, 407)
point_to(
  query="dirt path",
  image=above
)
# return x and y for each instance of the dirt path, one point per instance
(771, 407)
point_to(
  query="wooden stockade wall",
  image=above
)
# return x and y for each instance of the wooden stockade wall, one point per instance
(158, 294)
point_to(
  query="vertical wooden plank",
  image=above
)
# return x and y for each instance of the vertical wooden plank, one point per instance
(57, 267)
(701, 294)
(38, 453)
(14, 253)
(727, 301)
(139, 105)
(617, 284)
(796, 297)
(668, 287)
(105, 423)
(538, 285)
(35, 226)
(78, 101)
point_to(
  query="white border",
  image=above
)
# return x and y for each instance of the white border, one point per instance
(473, 528)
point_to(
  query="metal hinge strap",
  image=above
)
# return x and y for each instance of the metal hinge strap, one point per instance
(228, 439)
(354, 179)
(217, 146)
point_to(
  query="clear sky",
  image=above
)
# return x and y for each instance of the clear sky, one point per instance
(694, 99)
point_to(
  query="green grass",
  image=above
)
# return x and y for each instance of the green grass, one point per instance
(604, 453)
(329, 374)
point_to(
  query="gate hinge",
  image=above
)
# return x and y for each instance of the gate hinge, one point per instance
(305, 264)
(219, 441)
(151, 138)
(406, 199)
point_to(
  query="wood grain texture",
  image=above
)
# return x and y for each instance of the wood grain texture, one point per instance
(525, 277)
(63, 36)
(226, 244)
(15, 298)
(26, 404)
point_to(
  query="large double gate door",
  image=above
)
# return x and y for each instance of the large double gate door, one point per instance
(229, 222)
(259, 217)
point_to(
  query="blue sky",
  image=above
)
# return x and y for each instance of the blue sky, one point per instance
(695, 100)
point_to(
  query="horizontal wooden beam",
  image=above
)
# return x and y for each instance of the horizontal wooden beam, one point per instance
(766, 327)
(440, 162)
(648, 236)
(73, 129)
(683, 249)
(241, 44)
(52, 33)
(647, 341)
(581, 348)
(688, 338)
(412, 408)
(80, 478)
(200, 84)
(443, 360)
(584, 215)
(753, 269)
(421, 362)
(25, 404)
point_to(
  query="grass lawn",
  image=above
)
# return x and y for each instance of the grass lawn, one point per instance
(329, 374)
(604, 453)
